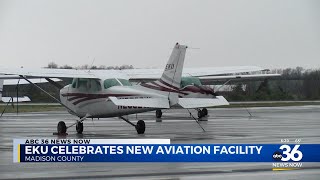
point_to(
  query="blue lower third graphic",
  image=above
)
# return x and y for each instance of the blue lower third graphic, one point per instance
(167, 153)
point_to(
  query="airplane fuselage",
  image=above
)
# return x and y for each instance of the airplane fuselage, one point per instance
(97, 104)
(90, 97)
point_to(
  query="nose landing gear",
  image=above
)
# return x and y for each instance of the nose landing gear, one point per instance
(140, 126)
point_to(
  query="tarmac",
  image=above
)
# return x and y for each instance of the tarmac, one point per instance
(223, 125)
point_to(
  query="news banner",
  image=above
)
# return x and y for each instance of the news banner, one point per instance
(283, 155)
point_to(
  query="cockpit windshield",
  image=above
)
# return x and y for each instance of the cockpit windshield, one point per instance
(125, 82)
(111, 82)
(185, 81)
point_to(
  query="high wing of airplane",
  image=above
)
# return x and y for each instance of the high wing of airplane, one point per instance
(130, 74)
(109, 93)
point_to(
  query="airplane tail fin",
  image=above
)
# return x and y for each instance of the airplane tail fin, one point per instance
(170, 80)
(173, 70)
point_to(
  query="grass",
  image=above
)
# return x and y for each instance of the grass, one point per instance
(31, 108)
(42, 108)
(274, 104)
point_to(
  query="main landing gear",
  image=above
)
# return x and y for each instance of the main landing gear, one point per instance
(62, 128)
(158, 113)
(202, 113)
(140, 126)
(79, 127)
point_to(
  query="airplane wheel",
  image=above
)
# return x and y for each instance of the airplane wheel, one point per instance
(79, 127)
(158, 113)
(140, 127)
(200, 114)
(61, 128)
(205, 111)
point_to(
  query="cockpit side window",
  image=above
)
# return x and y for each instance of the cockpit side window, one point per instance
(185, 81)
(94, 85)
(111, 82)
(125, 82)
(86, 84)
(82, 84)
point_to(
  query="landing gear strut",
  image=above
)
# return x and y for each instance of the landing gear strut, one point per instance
(158, 113)
(140, 126)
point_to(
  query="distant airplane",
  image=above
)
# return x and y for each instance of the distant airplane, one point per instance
(197, 87)
(10, 80)
(108, 93)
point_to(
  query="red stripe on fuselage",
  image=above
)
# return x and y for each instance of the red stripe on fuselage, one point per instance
(85, 97)
(160, 88)
(169, 85)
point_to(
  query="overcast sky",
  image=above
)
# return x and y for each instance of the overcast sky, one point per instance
(267, 33)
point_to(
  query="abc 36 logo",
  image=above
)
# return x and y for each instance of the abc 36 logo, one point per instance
(288, 154)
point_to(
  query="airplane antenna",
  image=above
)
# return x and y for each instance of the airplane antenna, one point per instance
(193, 47)
(190, 47)
(17, 89)
(92, 64)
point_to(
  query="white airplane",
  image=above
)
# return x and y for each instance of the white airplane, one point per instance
(108, 93)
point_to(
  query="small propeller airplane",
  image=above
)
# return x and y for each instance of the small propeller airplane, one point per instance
(109, 93)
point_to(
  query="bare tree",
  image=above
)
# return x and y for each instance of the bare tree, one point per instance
(52, 65)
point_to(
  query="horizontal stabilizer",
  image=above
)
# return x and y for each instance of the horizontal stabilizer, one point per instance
(22, 81)
(202, 102)
(145, 102)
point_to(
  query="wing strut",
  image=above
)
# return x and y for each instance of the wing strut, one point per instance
(57, 85)
(223, 85)
(17, 89)
(49, 94)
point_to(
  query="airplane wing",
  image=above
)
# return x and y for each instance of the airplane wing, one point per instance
(148, 102)
(202, 102)
(131, 74)
(209, 80)
(153, 74)
(60, 73)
